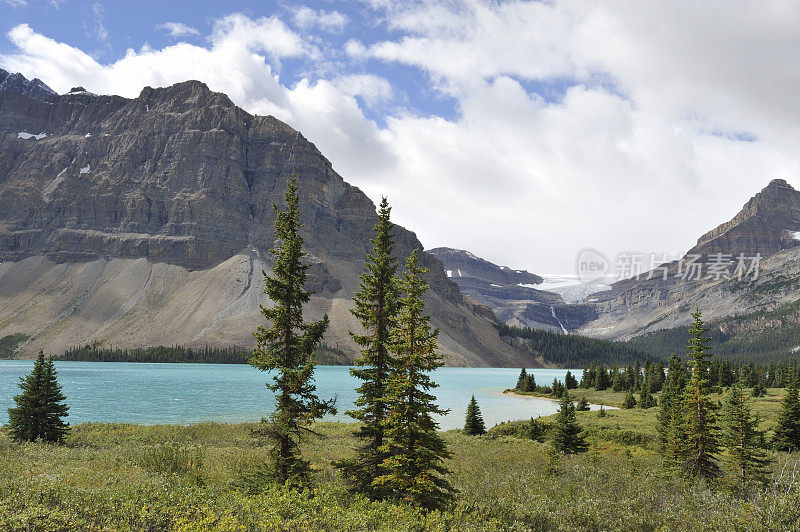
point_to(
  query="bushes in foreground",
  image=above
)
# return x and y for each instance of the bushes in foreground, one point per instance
(102, 480)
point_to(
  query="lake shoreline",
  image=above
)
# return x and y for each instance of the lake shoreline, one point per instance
(529, 396)
(172, 393)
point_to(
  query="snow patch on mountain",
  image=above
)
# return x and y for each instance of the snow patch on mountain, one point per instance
(25, 135)
(570, 287)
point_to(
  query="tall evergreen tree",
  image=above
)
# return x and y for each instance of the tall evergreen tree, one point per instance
(522, 380)
(672, 414)
(287, 347)
(646, 399)
(701, 439)
(376, 307)
(741, 437)
(630, 400)
(414, 451)
(40, 407)
(787, 433)
(473, 424)
(602, 380)
(567, 437)
(530, 383)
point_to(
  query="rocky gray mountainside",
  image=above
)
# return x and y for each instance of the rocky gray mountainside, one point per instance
(767, 225)
(147, 221)
(18, 83)
(511, 294)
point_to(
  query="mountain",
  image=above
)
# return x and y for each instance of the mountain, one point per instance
(18, 83)
(461, 264)
(146, 221)
(511, 294)
(767, 226)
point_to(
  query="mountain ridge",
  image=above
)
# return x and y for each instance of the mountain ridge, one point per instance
(117, 214)
(34, 88)
(761, 236)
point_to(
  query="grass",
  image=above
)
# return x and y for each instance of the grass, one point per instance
(212, 476)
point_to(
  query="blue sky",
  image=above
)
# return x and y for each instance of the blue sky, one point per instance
(523, 131)
(106, 30)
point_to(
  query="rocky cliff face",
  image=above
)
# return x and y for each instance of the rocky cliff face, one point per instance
(18, 83)
(511, 294)
(173, 191)
(767, 225)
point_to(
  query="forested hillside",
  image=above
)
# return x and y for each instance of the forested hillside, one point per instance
(572, 350)
(760, 337)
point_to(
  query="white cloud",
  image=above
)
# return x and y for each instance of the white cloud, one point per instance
(17, 3)
(98, 12)
(639, 148)
(306, 18)
(374, 90)
(178, 29)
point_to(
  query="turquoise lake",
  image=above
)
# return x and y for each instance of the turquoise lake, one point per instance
(230, 393)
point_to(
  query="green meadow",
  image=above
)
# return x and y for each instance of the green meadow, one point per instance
(213, 476)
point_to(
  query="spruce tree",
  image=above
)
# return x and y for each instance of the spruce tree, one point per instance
(646, 399)
(670, 413)
(583, 405)
(672, 416)
(287, 347)
(630, 400)
(522, 380)
(536, 430)
(787, 433)
(376, 305)
(701, 440)
(414, 451)
(602, 380)
(741, 437)
(473, 424)
(40, 407)
(567, 437)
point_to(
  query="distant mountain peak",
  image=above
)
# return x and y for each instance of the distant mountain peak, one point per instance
(766, 224)
(34, 88)
(463, 263)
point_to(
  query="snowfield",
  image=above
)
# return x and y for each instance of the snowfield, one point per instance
(25, 135)
(570, 287)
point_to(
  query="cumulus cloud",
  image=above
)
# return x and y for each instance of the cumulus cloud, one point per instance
(239, 62)
(577, 123)
(178, 29)
(374, 90)
(306, 18)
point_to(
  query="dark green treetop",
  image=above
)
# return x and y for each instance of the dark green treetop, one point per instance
(287, 346)
(701, 440)
(567, 437)
(40, 407)
(414, 450)
(376, 305)
(473, 424)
